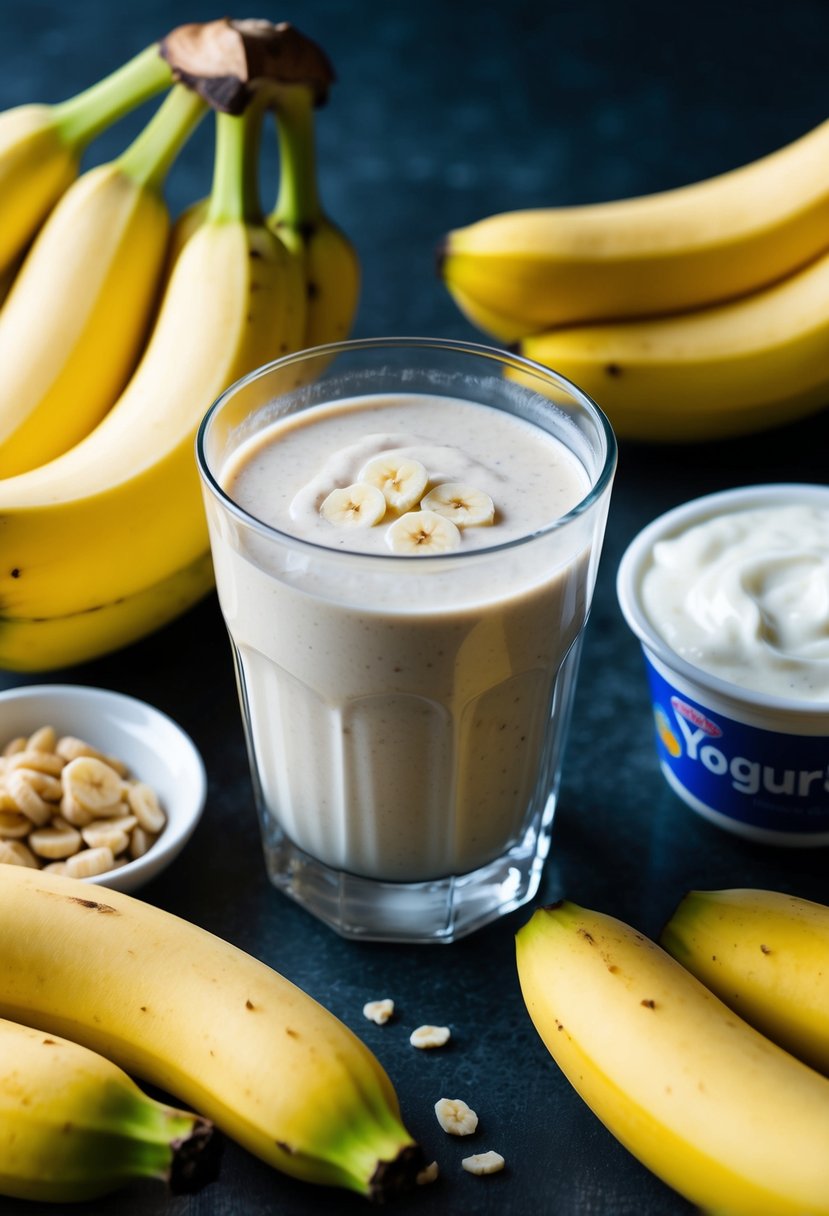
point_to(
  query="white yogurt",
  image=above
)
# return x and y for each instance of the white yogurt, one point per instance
(744, 595)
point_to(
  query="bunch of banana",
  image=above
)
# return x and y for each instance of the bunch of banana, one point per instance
(102, 530)
(221, 1031)
(765, 954)
(716, 1110)
(691, 314)
(74, 1126)
(121, 511)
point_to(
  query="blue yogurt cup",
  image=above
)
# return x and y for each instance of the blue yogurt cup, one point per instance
(754, 763)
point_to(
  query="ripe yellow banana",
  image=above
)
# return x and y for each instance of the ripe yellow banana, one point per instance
(720, 1113)
(122, 510)
(72, 329)
(765, 954)
(41, 145)
(726, 370)
(331, 264)
(44, 643)
(679, 249)
(73, 1126)
(207, 1023)
(328, 259)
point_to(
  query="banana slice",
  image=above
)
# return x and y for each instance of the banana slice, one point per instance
(402, 482)
(423, 534)
(73, 812)
(89, 863)
(28, 800)
(102, 832)
(14, 825)
(57, 842)
(455, 1117)
(465, 505)
(16, 853)
(143, 802)
(92, 783)
(356, 506)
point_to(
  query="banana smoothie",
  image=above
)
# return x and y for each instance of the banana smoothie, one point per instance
(403, 648)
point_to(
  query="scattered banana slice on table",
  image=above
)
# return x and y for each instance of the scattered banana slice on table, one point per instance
(455, 1116)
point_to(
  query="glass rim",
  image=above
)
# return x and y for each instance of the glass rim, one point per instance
(444, 345)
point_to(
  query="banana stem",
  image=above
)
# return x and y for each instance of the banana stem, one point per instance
(146, 1138)
(148, 158)
(80, 118)
(298, 203)
(235, 191)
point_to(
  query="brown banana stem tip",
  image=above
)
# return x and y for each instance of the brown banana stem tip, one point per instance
(227, 61)
(196, 1158)
(397, 1176)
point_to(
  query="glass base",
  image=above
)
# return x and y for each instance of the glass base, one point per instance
(442, 910)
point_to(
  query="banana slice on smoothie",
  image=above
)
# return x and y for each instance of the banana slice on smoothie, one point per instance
(423, 534)
(356, 506)
(466, 506)
(402, 481)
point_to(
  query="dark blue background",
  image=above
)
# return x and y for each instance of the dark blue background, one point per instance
(444, 113)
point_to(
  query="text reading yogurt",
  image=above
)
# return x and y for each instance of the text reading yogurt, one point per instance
(744, 595)
(399, 691)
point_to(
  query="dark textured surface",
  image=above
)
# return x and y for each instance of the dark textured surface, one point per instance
(444, 113)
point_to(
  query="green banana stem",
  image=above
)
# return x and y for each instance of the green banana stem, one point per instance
(80, 118)
(298, 203)
(148, 158)
(235, 191)
(148, 1139)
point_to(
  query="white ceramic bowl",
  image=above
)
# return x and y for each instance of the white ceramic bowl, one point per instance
(154, 748)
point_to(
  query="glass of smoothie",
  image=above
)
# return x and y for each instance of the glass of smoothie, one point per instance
(405, 534)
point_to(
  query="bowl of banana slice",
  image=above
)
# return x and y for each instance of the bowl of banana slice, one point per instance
(94, 784)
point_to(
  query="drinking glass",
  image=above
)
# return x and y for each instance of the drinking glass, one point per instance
(406, 717)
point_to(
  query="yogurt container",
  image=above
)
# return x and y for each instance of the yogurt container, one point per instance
(729, 597)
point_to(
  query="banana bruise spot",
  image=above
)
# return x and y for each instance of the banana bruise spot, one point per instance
(106, 909)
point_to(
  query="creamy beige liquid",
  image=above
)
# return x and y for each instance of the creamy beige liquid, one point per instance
(399, 707)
